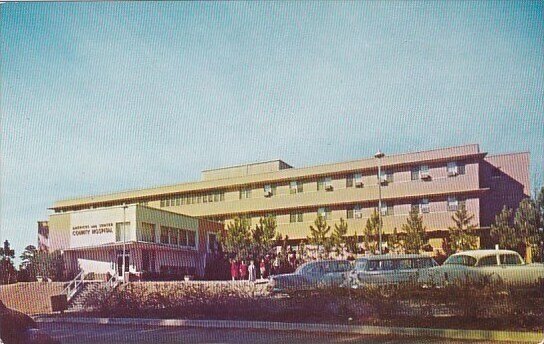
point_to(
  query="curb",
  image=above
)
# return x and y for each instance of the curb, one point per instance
(528, 337)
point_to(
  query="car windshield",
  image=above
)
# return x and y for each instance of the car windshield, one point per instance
(461, 260)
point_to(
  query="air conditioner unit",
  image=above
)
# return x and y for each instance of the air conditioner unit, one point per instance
(453, 173)
(328, 187)
(425, 208)
(425, 176)
(452, 207)
(358, 215)
(384, 211)
(383, 179)
(359, 184)
(268, 194)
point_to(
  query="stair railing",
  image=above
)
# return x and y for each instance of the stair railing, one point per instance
(74, 285)
(113, 282)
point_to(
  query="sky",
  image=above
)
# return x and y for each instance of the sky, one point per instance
(101, 97)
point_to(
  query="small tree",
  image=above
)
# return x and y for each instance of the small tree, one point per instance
(415, 237)
(318, 234)
(371, 232)
(352, 243)
(526, 224)
(8, 274)
(393, 242)
(263, 236)
(236, 240)
(462, 236)
(41, 263)
(338, 236)
(503, 230)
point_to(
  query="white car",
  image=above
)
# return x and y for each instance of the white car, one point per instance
(479, 265)
(388, 269)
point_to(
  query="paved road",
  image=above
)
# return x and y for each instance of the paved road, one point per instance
(82, 334)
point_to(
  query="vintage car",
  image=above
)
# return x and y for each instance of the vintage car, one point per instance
(480, 265)
(388, 269)
(311, 275)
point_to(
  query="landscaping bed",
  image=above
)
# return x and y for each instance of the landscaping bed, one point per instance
(461, 307)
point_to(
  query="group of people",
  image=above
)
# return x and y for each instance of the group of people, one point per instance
(268, 265)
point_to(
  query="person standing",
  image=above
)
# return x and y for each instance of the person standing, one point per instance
(243, 271)
(252, 271)
(234, 269)
(262, 269)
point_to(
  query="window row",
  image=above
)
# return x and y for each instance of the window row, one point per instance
(193, 199)
(177, 236)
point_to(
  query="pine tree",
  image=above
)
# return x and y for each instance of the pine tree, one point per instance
(263, 236)
(393, 242)
(318, 234)
(526, 224)
(415, 237)
(371, 232)
(236, 240)
(462, 236)
(503, 230)
(8, 273)
(338, 236)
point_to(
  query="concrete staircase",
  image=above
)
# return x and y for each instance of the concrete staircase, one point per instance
(88, 290)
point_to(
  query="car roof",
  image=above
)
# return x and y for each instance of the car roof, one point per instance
(483, 253)
(393, 256)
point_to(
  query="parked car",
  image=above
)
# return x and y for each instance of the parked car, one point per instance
(311, 275)
(495, 265)
(388, 269)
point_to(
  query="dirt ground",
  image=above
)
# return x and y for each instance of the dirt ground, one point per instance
(30, 297)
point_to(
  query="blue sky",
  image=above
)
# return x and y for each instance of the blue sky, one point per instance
(104, 96)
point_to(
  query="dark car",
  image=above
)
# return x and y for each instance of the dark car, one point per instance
(19, 328)
(312, 275)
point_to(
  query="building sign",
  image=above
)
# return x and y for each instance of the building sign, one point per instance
(93, 228)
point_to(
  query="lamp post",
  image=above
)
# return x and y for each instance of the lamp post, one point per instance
(379, 155)
(124, 240)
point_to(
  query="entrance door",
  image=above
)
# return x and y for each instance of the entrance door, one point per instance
(148, 260)
(120, 263)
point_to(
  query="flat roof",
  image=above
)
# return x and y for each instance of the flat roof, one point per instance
(389, 161)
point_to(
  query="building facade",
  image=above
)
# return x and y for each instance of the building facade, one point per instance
(435, 182)
(151, 240)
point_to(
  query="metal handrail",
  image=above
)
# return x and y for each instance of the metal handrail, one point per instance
(113, 282)
(74, 285)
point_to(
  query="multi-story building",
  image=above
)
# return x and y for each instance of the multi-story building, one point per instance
(436, 182)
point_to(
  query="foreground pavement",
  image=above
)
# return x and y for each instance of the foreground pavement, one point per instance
(90, 333)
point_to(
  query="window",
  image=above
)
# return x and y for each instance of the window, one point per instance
(210, 198)
(198, 198)
(510, 259)
(349, 181)
(387, 210)
(295, 217)
(167, 203)
(425, 208)
(173, 234)
(424, 172)
(212, 242)
(295, 187)
(216, 196)
(189, 200)
(358, 179)
(386, 177)
(269, 190)
(453, 169)
(244, 193)
(488, 261)
(453, 204)
(162, 203)
(325, 213)
(191, 239)
(415, 207)
(324, 184)
(183, 237)
(122, 231)
(194, 199)
(460, 260)
(205, 199)
(349, 214)
(164, 235)
(222, 196)
(178, 201)
(148, 232)
(182, 200)
(415, 173)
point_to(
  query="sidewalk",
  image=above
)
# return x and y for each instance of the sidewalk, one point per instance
(525, 337)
